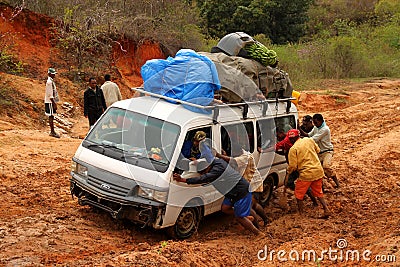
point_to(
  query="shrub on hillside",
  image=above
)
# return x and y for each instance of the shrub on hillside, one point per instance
(9, 63)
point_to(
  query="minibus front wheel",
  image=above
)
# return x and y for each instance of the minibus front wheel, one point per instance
(186, 223)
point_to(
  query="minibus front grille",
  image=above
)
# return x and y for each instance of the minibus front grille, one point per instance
(109, 187)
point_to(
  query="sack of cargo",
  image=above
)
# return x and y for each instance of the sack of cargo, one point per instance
(279, 84)
(188, 76)
(240, 78)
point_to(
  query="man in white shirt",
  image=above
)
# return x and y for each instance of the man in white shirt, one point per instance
(50, 100)
(110, 91)
(322, 136)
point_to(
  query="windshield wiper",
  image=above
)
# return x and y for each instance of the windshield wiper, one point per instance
(96, 146)
(104, 144)
(108, 144)
(130, 155)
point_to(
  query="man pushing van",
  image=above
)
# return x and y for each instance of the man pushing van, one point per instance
(303, 157)
(228, 182)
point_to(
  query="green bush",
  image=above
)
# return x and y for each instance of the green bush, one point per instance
(9, 63)
(345, 57)
(389, 35)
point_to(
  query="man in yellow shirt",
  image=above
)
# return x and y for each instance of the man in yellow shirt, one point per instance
(303, 157)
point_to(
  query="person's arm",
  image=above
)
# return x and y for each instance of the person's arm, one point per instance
(224, 157)
(205, 178)
(230, 160)
(302, 132)
(103, 100)
(177, 177)
(316, 147)
(119, 94)
(50, 94)
(292, 158)
(85, 103)
(54, 103)
(208, 177)
(285, 181)
(280, 145)
(317, 136)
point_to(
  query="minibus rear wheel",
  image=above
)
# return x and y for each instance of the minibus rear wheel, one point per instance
(186, 223)
(266, 194)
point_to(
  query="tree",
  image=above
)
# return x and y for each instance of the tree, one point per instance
(324, 13)
(217, 16)
(281, 20)
(387, 9)
(287, 20)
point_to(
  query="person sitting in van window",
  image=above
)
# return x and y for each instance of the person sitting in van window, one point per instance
(190, 148)
(243, 162)
(229, 183)
(303, 157)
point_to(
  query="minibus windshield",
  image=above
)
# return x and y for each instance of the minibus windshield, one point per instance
(135, 138)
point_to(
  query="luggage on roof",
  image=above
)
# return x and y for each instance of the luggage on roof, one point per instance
(195, 77)
(188, 76)
(240, 78)
(232, 44)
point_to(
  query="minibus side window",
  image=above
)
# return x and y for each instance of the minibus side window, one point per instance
(284, 124)
(188, 151)
(265, 133)
(243, 133)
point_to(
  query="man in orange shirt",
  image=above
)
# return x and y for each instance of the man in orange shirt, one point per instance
(303, 157)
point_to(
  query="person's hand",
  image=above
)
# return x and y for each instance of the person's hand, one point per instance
(285, 181)
(178, 178)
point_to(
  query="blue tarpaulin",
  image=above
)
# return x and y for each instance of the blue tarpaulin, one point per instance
(188, 76)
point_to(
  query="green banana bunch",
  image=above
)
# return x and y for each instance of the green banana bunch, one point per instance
(261, 53)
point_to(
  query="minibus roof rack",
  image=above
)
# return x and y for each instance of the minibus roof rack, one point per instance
(216, 107)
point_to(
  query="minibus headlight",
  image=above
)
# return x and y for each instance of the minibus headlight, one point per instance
(73, 166)
(153, 194)
(145, 192)
(79, 169)
(160, 195)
